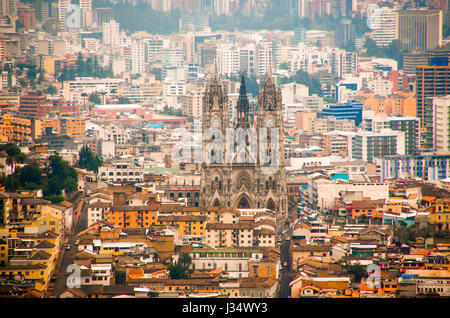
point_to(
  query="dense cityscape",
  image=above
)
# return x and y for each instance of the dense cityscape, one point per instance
(224, 149)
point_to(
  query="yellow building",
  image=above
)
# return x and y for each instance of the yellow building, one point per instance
(187, 224)
(263, 269)
(41, 124)
(73, 127)
(3, 252)
(14, 128)
(440, 216)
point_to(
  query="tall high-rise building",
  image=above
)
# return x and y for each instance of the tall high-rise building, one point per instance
(384, 26)
(345, 33)
(420, 29)
(343, 62)
(111, 33)
(441, 123)
(411, 60)
(342, 8)
(27, 16)
(368, 146)
(441, 53)
(63, 5)
(86, 12)
(42, 10)
(101, 15)
(409, 125)
(431, 81)
(299, 36)
(9, 7)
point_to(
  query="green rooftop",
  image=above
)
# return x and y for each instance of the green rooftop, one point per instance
(163, 169)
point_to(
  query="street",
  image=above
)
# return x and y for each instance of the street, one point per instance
(286, 274)
(61, 275)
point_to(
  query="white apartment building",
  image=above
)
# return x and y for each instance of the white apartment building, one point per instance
(441, 123)
(62, 11)
(343, 63)
(323, 191)
(175, 56)
(304, 57)
(221, 7)
(72, 90)
(113, 132)
(234, 261)
(368, 145)
(192, 103)
(227, 59)
(121, 171)
(174, 88)
(293, 92)
(264, 59)
(384, 25)
(96, 212)
(111, 33)
(5, 78)
(431, 282)
(138, 56)
(382, 87)
(232, 59)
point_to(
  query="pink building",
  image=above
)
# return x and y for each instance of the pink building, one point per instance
(122, 111)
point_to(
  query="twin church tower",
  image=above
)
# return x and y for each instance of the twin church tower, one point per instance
(243, 160)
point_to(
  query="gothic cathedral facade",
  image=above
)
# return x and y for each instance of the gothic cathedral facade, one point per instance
(243, 160)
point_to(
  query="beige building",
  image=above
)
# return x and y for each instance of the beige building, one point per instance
(303, 120)
(420, 29)
(441, 113)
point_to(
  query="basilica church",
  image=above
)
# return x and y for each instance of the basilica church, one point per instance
(243, 159)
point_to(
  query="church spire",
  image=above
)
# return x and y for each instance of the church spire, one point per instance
(242, 104)
(215, 74)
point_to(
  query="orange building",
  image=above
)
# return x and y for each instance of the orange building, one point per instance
(369, 208)
(14, 129)
(73, 127)
(133, 216)
(401, 103)
(187, 224)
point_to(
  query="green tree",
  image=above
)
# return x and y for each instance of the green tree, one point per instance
(95, 98)
(88, 160)
(124, 100)
(30, 177)
(185, 260)
(180, 269)
(61, 176)
(51, 90)
(357, 271)
(284, 66)
(177, 271)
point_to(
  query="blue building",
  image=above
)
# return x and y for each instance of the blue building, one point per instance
(351, 110)
(428, 167)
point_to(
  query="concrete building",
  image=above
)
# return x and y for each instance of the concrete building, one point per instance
(384, 26)
(323, 191)
(234, 261)
(121, 172)
(409, 125)
(441, 123)
(428, 167)
(369, 145)
(431, 81)
(420, 29)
